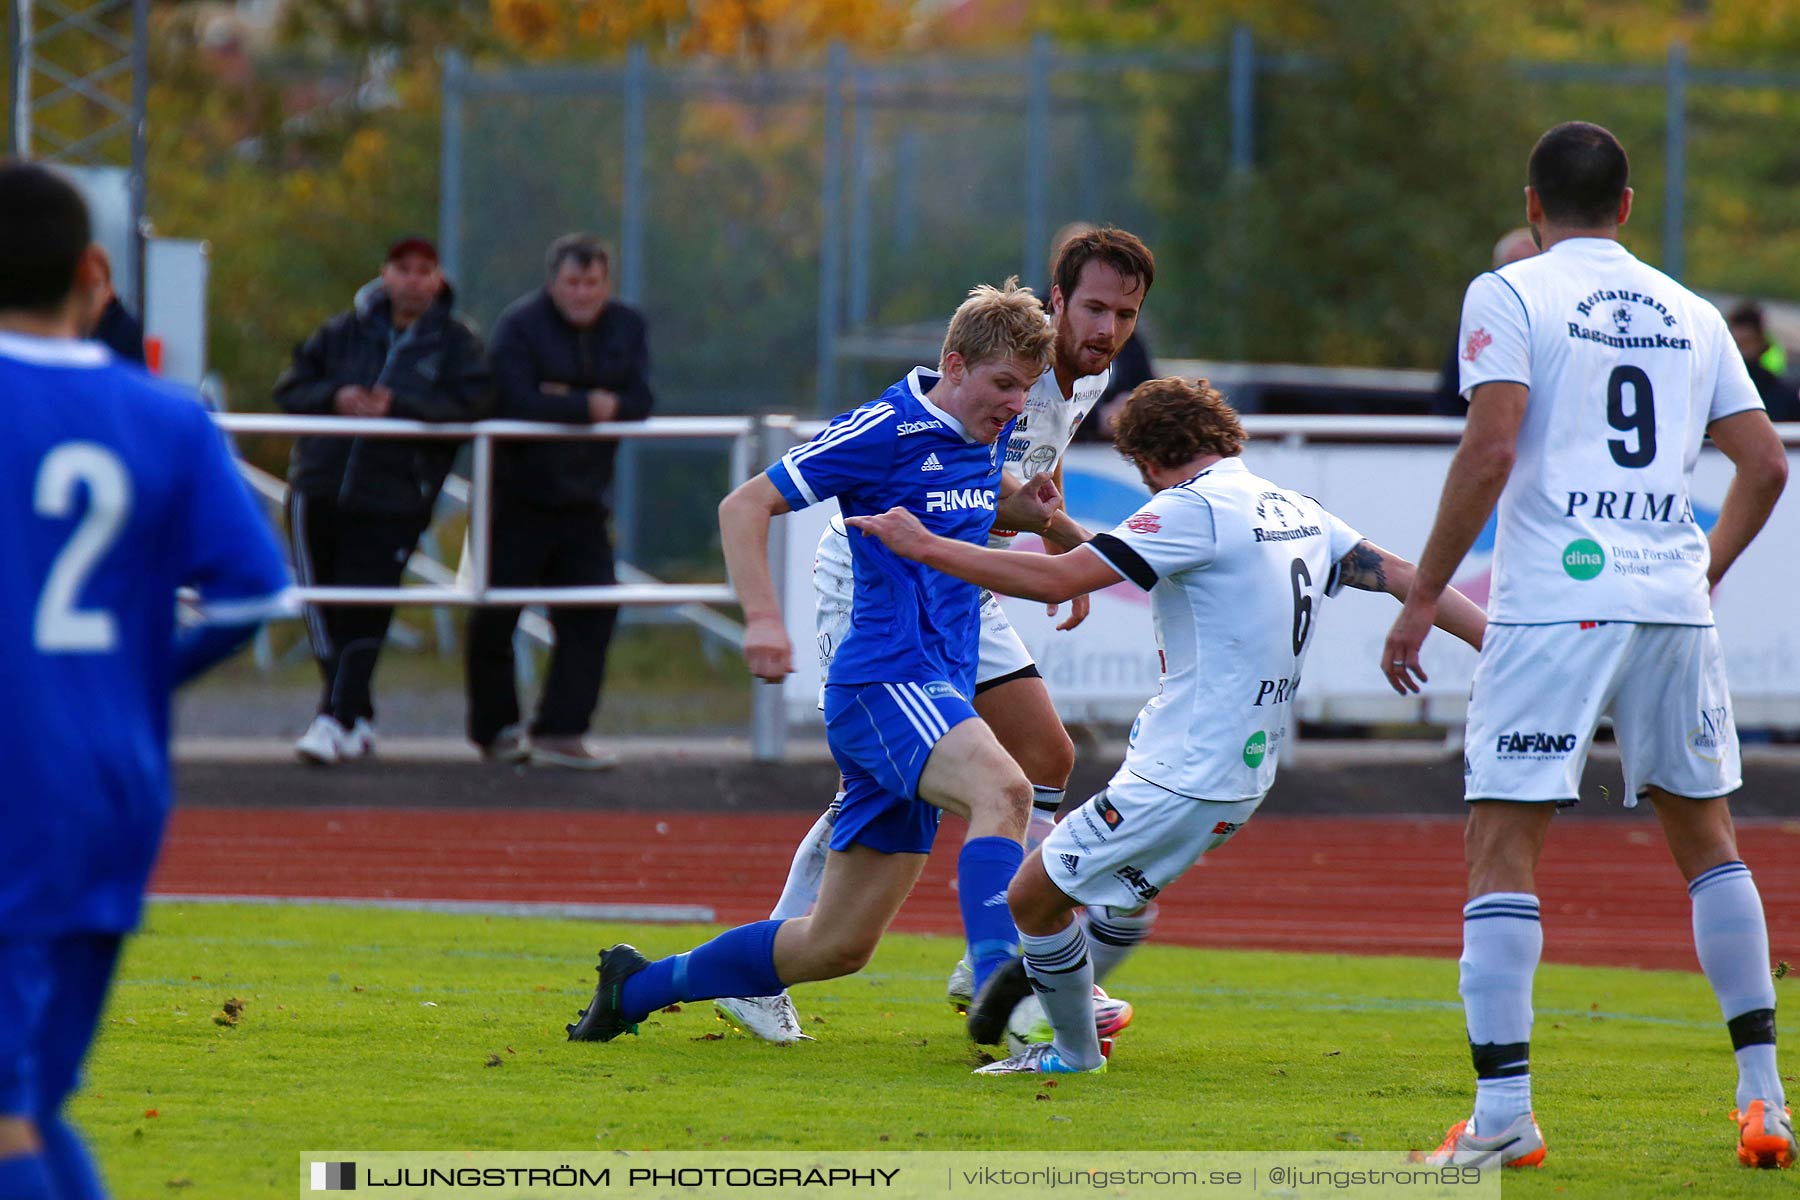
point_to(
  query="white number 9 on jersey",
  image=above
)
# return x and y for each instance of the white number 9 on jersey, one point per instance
(61, 627)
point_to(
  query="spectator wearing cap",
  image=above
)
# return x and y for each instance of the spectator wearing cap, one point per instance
(1765, 361)
(566, 353)
(356, 506)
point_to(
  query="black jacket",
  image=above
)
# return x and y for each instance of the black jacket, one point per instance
(534, 345)
(436, 371)
(120, 332)
(1779, 396)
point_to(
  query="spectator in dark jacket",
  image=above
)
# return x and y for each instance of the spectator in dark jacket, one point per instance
(569, 354)
(356, 506)
(1765, 362)
(111, 323)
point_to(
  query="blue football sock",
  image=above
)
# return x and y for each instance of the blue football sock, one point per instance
(26, 1177)
(739, 962)
(985, 867)
(70, 1164)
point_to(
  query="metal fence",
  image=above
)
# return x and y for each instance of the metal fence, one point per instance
(798, 236)
(752, 441)
(742, 198)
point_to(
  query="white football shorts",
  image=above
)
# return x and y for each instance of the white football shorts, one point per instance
(1003, 653)
(1540, 691)
(1125, 845)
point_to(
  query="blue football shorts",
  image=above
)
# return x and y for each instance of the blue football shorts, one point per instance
(881, 735)
(51, 994)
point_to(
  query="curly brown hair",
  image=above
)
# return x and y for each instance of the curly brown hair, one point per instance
(1168, 422)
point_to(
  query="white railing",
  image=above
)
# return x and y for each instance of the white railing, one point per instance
(1329, 428)
(1321, 428)
(753, 440)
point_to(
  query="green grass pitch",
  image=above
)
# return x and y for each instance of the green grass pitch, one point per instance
(386, 1030)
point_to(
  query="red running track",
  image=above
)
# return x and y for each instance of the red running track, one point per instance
(1357, 885)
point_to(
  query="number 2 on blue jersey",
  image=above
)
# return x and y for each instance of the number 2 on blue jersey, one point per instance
(60, 626)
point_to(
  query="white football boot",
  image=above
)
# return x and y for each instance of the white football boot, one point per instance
(961, 986)
(771, 1018)
(1041, 1058)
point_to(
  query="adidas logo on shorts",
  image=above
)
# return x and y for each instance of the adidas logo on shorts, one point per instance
(931, 463)
(1070, 862)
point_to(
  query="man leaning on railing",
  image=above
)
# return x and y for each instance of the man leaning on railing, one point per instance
(565, 353)
(356, 506)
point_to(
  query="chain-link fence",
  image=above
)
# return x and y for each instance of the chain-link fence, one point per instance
(797, 236)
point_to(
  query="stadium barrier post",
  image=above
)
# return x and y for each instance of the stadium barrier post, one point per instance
(1243, 99)
(631, 207)
(481, 483)
(1037, 158)
(450, 168)
(831, 191)
(772, 436)
(1675, 159)
(862, 171)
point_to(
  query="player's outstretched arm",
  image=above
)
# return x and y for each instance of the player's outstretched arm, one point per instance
(1477, 476)
(1049, 578)
(1028, 507)
(1372, 569)
(1755, 449)
(744, 518)
(1060, 532)
(1063, 533)
(1062, 536)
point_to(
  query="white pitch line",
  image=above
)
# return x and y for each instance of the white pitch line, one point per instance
(643, 914)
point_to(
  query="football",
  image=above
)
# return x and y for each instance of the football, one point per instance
(1027, 1024)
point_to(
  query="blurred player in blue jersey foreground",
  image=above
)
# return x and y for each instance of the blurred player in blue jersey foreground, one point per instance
(115, 491)
(897, 712)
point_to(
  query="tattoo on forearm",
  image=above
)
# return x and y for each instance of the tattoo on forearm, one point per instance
(1362, 569)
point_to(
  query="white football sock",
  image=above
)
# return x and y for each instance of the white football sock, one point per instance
(1063, 978)
(1044, 803)
(1502, 942)
(1113, 934)
(1732, 941)
(801, 891)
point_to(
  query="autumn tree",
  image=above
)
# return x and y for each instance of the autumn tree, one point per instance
(762, 30)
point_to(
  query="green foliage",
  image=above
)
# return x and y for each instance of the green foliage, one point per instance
(1380, 183)
(366, 1029)
(1374, 196)
(1380, 179)
(297, 211)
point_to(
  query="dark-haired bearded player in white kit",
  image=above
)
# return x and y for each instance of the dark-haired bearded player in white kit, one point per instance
(1100, 278)
(1592, 379)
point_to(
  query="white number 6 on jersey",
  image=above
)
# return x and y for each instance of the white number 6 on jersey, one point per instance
(60, 626)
